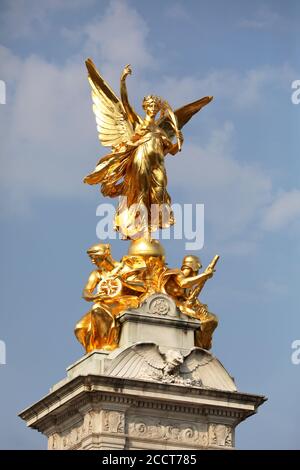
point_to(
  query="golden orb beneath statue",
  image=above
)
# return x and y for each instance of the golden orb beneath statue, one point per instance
(144, 247)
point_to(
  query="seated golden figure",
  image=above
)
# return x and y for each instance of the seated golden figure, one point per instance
(118, 286)
(126, 284)
(134, 169)
(185, 286)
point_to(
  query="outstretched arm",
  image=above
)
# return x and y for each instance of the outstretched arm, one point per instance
(131, 114)
(186, 282)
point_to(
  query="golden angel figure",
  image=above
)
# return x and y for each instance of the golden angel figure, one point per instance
(135, 168)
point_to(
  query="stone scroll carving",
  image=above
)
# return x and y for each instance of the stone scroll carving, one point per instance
(169, 431)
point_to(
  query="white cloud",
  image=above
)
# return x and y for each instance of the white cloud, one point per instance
(19, 19)
(242, 90)
(263, 19)
(48, 130)
(284, 210)
(271, 288)
(119, 36)
(176, 11)
(234, 194)
(50, 144)
(50, 141)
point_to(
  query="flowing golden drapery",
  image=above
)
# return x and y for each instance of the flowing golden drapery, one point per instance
(135, 172)
(135, 169)
(146, 203)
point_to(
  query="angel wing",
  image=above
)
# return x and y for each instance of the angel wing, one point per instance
(183, 115)
(202, 366)
(113, 124)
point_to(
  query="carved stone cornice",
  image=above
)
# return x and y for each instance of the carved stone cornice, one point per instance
(96, 392)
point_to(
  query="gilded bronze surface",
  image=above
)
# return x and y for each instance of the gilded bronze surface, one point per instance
(185, 288)
(117, 285)
(135, 169)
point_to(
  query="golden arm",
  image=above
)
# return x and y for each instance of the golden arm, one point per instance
(209, 273)
(131, 279)
(186, 282)
(173, 149)
(132, 116)
(90, 286)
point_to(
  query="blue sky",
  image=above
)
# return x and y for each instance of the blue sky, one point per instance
(240, 158)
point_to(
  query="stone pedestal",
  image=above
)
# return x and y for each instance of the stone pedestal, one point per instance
(156, 391)
(158, 320)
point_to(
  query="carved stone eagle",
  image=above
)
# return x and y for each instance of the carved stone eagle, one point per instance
(145, 361)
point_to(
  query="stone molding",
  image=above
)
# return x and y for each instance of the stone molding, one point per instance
(100, 412)
(156, 391)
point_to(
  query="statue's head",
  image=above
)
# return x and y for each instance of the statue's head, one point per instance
(152, 105)
(191, 263)
(98, 253)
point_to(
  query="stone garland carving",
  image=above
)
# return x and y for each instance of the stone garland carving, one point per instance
(169, 370)
(73, 437)
(146, 428)
(113, 421)
(53, 441)
(220, 435)
(159, 376)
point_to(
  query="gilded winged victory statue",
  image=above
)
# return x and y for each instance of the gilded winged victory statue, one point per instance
(134, 170)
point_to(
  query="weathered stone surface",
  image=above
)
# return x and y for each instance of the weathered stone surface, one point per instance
(157, 391)
(146, 361)
(158, 320)
(101, 412)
